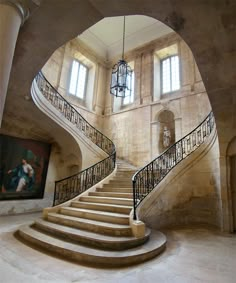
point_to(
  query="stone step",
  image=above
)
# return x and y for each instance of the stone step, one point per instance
(119, 180)
(107, 200)
(126, 170)
(124, 174)
(118, 190)
(113, 195)
(102, 207)
(92, 256)
(122, 180)
(91, 225)
(118, 185)
(89, 238)
(103, 216)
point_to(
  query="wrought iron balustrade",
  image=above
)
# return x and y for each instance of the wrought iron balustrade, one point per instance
(71, 186)
(147, 178)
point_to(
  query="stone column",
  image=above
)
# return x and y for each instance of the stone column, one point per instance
(13, 14)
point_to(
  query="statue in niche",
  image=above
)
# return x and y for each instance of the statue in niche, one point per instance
(166, 137)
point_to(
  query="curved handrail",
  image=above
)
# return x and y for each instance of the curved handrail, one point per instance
(68, 188)
(148, 177)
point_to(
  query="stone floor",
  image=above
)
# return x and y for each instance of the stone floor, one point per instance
(192, 255)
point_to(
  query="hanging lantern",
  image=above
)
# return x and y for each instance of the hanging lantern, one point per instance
(121, 75)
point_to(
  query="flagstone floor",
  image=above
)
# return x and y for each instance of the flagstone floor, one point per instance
(193, 255)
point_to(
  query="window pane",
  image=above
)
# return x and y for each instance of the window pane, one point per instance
(166, 75)
(74, 76)
(81, 81)
(126, 100)
(129, 95)
(175, 72)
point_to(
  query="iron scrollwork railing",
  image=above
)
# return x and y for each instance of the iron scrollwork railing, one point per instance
(147, 178)
(71, 186)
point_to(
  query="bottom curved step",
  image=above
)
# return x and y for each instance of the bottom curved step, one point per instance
(92, 256)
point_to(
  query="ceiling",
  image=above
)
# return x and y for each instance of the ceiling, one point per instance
(106, 36)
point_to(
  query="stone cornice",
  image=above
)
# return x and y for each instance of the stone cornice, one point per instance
(21, 6)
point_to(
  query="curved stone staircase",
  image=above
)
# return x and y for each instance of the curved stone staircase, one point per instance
(99, 226)
(95, 229)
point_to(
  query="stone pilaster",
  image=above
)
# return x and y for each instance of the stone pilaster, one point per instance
(147, 77)
(100, 89)
(138, 76)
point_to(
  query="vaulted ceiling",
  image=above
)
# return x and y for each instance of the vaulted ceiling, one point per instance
(106, 36)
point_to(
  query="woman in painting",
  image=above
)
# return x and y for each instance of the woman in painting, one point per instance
(23, 176)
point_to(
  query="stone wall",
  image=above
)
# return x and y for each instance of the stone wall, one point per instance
(209, 29)
(138, 133)
(57, 70)
(65, 155)
(189, 194)
(135, 129)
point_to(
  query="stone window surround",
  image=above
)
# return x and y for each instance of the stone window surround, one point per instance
(161, 74)
(80, 100)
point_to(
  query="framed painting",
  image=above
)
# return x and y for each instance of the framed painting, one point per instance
(23, 168)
